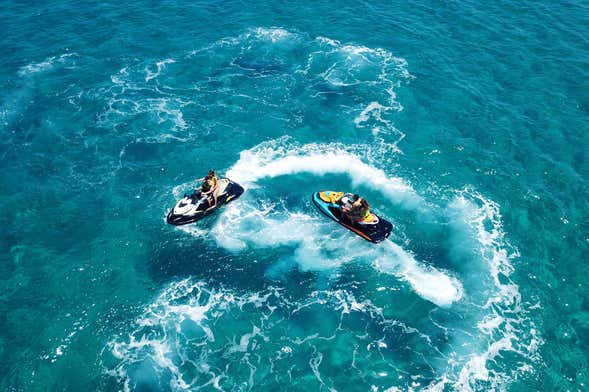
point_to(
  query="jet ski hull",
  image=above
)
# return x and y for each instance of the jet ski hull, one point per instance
(194, 207)
(374, 233)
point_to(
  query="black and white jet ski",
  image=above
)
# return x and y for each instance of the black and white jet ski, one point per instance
(194, 207)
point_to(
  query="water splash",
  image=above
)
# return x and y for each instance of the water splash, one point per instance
(280, 158)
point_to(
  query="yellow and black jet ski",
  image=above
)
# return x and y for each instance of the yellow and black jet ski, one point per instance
(372, 227)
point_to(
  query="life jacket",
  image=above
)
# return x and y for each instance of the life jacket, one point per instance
(209, 183)
(359, 212)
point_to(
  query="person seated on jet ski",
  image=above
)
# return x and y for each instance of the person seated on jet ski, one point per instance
(209, 186)
(355, 208)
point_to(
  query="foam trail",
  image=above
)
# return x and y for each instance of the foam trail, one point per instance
(160, 65)
(246, 226)
(192, 336)
(316, 247)
(373, 109)
(273, 34)
(45, 65)
(504, 326)
(320, 248)
(257, 164)
(428, 282)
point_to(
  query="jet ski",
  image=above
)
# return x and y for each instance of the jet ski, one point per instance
(372, 228)
(194, 207)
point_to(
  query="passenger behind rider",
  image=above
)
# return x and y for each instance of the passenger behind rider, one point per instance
(209, 187)
(355, 207)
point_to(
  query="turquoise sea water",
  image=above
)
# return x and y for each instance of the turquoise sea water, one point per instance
(464, 123)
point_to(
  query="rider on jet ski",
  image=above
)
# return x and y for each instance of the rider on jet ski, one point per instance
(355, 207)
(209, 187)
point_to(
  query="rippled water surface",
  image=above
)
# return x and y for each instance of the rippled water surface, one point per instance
(463, 123)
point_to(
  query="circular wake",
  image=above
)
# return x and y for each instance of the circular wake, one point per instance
(319, 243)
(433, 308)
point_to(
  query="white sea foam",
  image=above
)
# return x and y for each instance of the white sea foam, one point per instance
(373, 116)
(193, 336)
(45, 65)
(432, 284)
(499, 317)
(129, 97)
(164, 111)
(243, 225)
(249, 225)
(503, 315)
(167, 315)
(373, 109)
(274, 34)
(14, 103)
(504, 325)
(319, 248)
(377, 68)
(272, 159)
(373, 73)
(160, 65)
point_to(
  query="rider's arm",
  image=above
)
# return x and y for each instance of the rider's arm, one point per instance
(212, 190)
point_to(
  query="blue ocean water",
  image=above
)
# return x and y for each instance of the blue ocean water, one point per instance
(464, 123)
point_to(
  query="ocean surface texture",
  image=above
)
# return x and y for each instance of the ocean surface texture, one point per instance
(464, 123)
